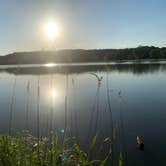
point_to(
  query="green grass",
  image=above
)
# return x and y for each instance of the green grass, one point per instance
(26, 150)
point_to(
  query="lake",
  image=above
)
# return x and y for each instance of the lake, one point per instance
(70, 97)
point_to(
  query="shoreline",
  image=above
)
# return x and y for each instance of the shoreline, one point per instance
(54, 64)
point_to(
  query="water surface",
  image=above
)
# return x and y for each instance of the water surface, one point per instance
(137, 96)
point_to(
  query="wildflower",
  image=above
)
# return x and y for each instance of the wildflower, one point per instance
(106, 139)
(72, 156)
(63, 157)
(45, 139)
(35, 145)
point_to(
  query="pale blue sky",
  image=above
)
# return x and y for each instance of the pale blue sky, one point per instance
(83, 23)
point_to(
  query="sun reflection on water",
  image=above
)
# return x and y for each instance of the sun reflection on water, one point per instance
(50, 64)
(53, 93)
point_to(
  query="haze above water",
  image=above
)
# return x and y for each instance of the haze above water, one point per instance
(137, 96)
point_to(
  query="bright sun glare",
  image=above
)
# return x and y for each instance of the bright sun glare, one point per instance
(50, 64)
(51, 30)
(53, 93)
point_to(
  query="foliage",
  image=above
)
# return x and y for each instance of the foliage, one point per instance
(120, 163)
(78, 55)
(26, 150)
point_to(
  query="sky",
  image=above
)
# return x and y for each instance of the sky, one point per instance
(83, 24)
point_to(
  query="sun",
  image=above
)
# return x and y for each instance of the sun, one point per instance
(51, 30)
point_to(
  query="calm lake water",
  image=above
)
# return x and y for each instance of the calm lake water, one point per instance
(135, 92)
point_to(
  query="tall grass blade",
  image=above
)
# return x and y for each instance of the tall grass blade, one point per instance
(11, 106)
(120, 160)
(27, 105)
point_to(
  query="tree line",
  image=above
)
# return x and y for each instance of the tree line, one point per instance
(80, 55)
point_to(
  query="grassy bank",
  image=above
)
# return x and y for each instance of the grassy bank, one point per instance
(26, 150)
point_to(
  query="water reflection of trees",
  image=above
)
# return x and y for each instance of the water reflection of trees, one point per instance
(126, 68)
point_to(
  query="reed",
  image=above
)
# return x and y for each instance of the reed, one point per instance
(95, 105)
(28, 150)
(27, 104)
(23, 150)
(11, 106)
(123, 148)
(110, 113)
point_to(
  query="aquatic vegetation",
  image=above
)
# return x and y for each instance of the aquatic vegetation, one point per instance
(95, 113)
(27, 104)
(140, 143)
(110, 114)
(122, 135)
(120, 162)
(11, 106)
(59, 147)
(25, 149)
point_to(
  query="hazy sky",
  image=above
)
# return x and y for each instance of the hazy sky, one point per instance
(82, 23)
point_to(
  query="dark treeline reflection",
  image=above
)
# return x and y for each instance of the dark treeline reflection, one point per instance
(130, 68)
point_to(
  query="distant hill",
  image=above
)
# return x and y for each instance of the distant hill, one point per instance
(79, 55)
